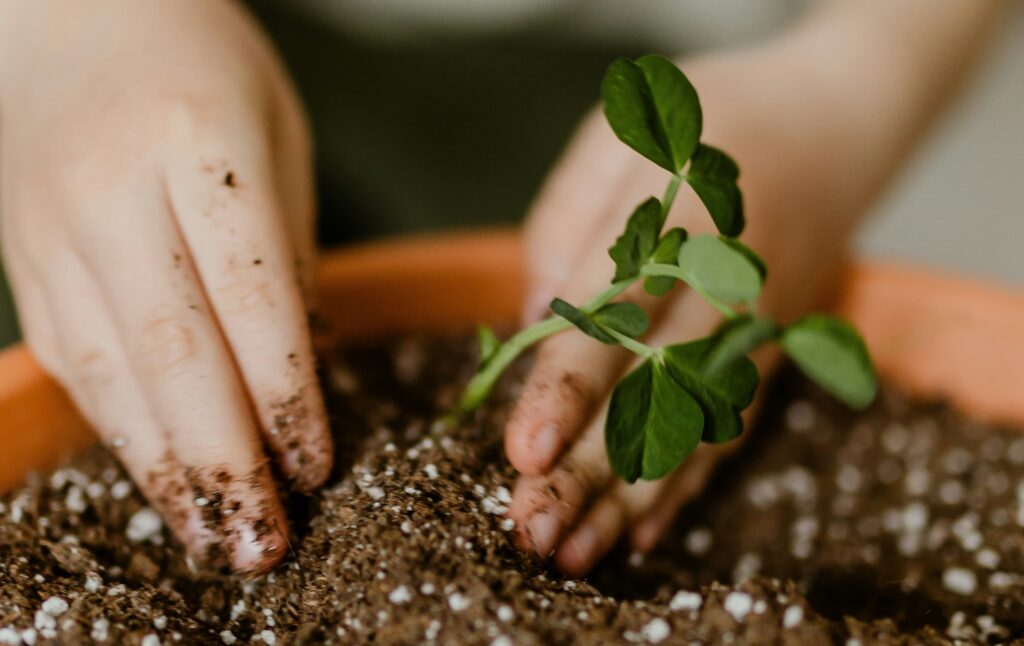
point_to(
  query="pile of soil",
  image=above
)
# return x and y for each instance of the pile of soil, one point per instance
(898, 525)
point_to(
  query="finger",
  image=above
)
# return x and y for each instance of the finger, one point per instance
(177, 353)
(234, 225)
(546, 507)
(97, 376)
(593, 537)
(573, 199)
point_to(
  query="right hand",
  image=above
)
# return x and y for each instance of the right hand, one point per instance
(157, 221)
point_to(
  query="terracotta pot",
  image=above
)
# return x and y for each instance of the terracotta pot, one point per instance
(933, 334)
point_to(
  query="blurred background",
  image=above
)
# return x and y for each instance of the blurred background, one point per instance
(440, 115)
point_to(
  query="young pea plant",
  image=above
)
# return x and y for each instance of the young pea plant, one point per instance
(681, 394)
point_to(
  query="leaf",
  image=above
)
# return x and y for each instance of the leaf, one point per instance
(488, 343)
(625, 318)
(666, 252)
(583, 322)
(736, 338)
(722, 395)
(830, 352)
(750, 254)
(638, 241)
(715, 267)
(653, 109)
(713, 175)
(652, 424)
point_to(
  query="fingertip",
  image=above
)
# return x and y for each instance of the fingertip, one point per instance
(255, 548)
(576, 555)
(646, 535)
(309, 466)
(533, 451)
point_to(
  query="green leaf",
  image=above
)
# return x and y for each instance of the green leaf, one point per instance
(666, 252)
(583, 322)
(830, 352)
(713, 175)
(488, 343)
(715, 267)
(653, 109)
(638, 241)
(722, 395)
(652, 424)
(736, 338)
(751, 255)
(625, 318)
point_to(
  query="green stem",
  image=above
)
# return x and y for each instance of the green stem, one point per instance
(670, 195)
(631, 344)
(673, 271)
(482, 383)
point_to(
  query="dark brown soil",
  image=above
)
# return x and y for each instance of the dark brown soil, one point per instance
(900, 525)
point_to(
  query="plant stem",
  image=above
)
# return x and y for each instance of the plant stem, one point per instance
(673, 271)
(480, 385)
(670, 195)
(631, 344)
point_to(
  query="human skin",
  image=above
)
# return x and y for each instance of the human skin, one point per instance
(156, 212)
(819, 119)
(157, 229)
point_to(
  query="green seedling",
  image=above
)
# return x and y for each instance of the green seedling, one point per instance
(681, 395)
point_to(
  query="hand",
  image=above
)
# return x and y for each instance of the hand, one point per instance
(568, 503)
(158, 234)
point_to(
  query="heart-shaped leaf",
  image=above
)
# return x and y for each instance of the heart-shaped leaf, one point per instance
(830, 352)
(666, 252)
(713, 175)
(625, 318)
(653, 109)
(638, 241)
(652, 424)
(722, 395)
(716, 268)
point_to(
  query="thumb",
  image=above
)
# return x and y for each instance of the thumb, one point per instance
(569, 209)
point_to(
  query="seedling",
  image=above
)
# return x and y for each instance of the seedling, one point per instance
(682, 394)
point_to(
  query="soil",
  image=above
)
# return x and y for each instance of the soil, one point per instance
(898, 525)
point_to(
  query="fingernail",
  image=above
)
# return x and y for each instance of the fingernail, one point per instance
(584, 541)
(544, 529)
(256, 547)
(546, 445)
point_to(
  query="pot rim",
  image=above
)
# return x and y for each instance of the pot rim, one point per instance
(933, 333)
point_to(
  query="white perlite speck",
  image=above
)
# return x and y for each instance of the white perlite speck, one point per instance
(150, 640)
(55, 606)
(685, 600)
(375, 492)
(228, 637)
(656, 630)
(400, 595)
(508, 524)
(433, 628)
(100, 630)
(793, 616)
(143, 525)
(268, 637)
(501, 640)
(120, 490)
(698, 541)
(10, 636)
(93, 582)
(506, 614)
(431, 471)
(458, 602)
(959, 580)
(43, 621)
(739, 605)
